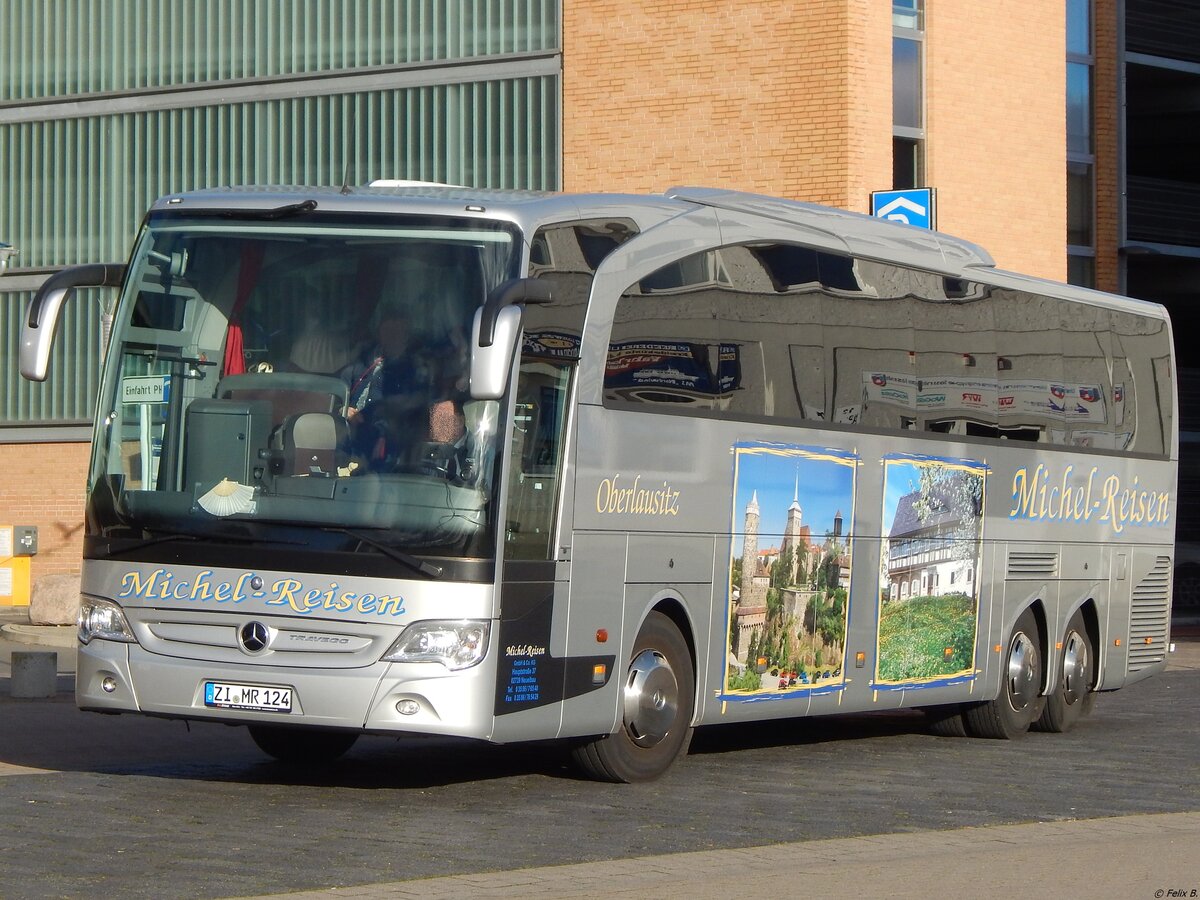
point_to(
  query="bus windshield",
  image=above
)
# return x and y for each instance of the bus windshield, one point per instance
(266, 376)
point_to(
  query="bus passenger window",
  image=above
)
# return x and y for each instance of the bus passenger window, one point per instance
(665, 349)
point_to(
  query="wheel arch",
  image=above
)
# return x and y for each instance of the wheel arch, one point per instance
(1037, 606)
(672, 606)
(1090, 612)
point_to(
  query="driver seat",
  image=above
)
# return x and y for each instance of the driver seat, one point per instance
(313, 443)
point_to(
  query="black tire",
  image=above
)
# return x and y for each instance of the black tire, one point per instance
(302, 746)
(658, 696)
(945, 721)
(1073, 696)
(1020, 701)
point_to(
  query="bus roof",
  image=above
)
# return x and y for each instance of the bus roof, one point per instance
(864, 235)
(861, 235)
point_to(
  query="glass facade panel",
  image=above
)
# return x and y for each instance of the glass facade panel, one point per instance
(1079, 108)
(908, 14)
(1081, 263)
(499, 134)
(906, 163)
(906, 83)
(61, 49)
(1081, 270)
(77, 188)
(1080, 213)
(67, 395)
(1079, 27)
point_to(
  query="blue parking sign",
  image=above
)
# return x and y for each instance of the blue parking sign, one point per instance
(914, 206)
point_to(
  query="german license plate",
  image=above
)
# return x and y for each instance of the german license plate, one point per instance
(262, 697)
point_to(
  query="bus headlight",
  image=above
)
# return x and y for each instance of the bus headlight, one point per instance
(456, 644)
(102, 620)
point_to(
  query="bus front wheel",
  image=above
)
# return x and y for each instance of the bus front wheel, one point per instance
(1073, 696)
(1020, 701)
(657, 700)
(302, 746)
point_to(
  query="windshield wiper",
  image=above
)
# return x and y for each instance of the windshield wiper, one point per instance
(278, 212)
(429, 570)
(144, 542)
(190, 538)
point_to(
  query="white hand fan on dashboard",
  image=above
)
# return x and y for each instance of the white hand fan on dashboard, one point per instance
(227, 498)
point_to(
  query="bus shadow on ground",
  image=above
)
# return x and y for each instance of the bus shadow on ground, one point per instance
(803, 731)
(51, 735)
(382, 762)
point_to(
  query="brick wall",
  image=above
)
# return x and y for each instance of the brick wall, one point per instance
(43, 485)
(1106, 137)
(996, 128)
(794, 99)
(790, 99)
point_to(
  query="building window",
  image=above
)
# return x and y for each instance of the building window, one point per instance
(1081, 269)
(1079, 108)
(1080, 212)
(908, 93)
(1081, 151)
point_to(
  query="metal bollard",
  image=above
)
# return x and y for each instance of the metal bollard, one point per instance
(34, 674)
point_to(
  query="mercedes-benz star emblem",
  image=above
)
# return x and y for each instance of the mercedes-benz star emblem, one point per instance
(255, 636)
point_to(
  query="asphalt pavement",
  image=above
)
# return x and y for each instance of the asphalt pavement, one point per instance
(1152, 856)
(1128, 856)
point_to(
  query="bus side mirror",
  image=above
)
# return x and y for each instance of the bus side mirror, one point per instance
(41, 324)
(491, 364)
(495, 332)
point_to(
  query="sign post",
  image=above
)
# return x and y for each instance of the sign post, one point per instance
(914, 206)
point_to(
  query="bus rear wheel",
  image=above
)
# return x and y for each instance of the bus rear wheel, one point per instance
(657, 701)
(1020, 702)
(1073, 696)
(302, 746)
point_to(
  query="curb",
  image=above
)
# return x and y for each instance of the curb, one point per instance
(61, 636)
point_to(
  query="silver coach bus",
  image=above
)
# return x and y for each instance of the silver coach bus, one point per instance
(601, 468)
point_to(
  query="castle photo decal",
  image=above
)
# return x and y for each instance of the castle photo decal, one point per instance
(789, 573)
(929, 571)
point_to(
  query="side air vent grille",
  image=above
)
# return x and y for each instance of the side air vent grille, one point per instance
(1037, 564)
(1148, 615)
